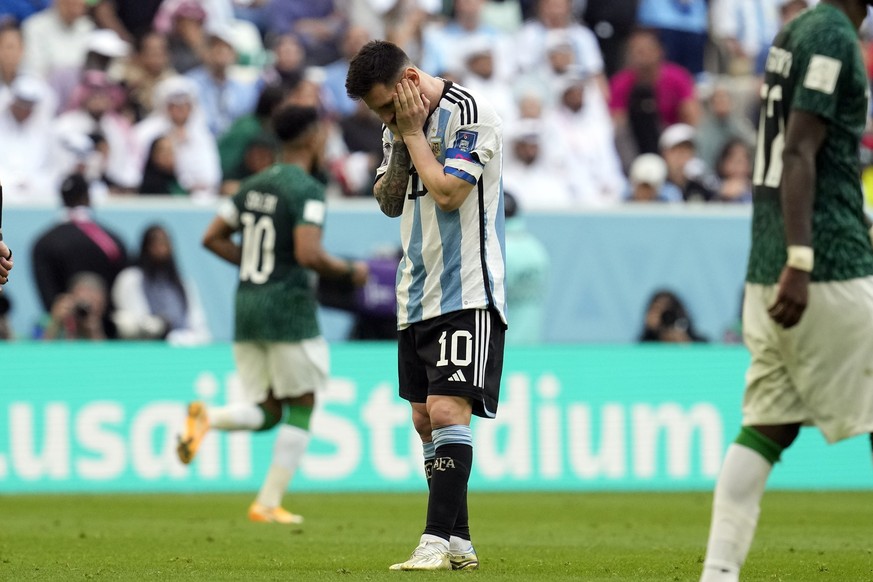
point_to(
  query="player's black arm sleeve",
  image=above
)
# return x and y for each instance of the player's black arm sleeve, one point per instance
(804, 137)
(390, 189)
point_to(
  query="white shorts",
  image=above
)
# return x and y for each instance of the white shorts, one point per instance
(289, 369)
(819, 372)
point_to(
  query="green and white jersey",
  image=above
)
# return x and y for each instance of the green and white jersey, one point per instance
(275, 300)
(814, 65)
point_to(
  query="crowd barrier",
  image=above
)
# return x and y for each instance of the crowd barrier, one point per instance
(605, 264)
(87, 417)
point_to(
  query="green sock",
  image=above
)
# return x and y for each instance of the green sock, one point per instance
(765, 446)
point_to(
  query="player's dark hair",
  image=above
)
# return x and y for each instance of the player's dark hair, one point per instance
(292, 121)
(378, 62)
(74, 191)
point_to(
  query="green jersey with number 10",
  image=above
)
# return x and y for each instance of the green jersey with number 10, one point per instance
(814, 65)
(275, 300)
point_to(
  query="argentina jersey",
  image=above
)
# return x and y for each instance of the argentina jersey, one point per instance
(454, 260)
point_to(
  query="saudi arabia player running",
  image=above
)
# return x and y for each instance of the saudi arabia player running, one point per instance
(280, 355)
(809, 287)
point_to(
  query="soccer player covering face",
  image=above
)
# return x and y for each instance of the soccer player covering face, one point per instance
(809, 286)
(441, 175)
(281, 357)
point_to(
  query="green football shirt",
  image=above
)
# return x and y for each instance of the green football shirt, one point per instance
(814, 65)
(275, 300)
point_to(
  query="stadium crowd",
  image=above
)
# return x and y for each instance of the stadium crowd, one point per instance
(603, 103)
(632, 100)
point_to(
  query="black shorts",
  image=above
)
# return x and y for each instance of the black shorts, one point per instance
(456, 354)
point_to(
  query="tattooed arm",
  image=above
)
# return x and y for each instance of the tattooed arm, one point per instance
(390, 189)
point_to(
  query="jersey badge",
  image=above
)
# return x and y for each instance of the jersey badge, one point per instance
(466, 140)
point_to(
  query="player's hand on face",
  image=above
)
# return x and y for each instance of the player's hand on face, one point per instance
(411, 108)
(791, 297)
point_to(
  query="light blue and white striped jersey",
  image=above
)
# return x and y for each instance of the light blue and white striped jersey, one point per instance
(454, 260)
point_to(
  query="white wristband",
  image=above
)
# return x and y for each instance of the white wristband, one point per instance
(800, 258)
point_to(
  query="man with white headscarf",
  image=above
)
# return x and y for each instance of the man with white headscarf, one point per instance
(177, 116)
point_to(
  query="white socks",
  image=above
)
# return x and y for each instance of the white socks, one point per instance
(239, 416)
(290, 446)
(735, 510)
(459, 545)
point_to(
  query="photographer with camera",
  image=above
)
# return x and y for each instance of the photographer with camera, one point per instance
(668, 321)
(79, 313)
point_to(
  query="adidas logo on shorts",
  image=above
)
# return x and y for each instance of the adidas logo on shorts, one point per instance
(458, 376)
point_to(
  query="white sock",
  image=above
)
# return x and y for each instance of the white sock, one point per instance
(290, 445)
(239, 416)
(434, 539)
(459, 545)
(735, 509)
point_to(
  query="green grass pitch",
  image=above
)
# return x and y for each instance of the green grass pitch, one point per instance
(535, 537)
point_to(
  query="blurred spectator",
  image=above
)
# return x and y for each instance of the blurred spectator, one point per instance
(258, 155)
(319, 25)
(97, 113)
(76, 245)
(612, 23)
(583, 143)
(87, 154)
(149, 66)
(130, 20)
(686, 173)
(479, 74)
(80, 313)
(734, 170)
(152, 301)
(647, 176)
(223, 97)
(186, 35)
(56, 39)
(289, 62)
(105, 49)
(11, 55)
(526, 172)
(555, 24)
(361, 132)
(6, 332)
(159, 173)
(232, 145)
(197, 163)
(667, 320)
(682, 27)
(25, 146)
(445, 46)
(721, 122)
(649, 95)
(744, 30)
(19, 10)
(254, 11)
(339, 103)
(405, 21)
(527, 273)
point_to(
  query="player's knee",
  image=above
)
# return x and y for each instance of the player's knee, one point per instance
(421, 422)
(298, 415)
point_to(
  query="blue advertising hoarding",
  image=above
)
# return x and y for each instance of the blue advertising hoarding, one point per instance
(77, 417)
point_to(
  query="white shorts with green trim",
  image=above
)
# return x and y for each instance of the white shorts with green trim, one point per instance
(289, 369)
(819, 372)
